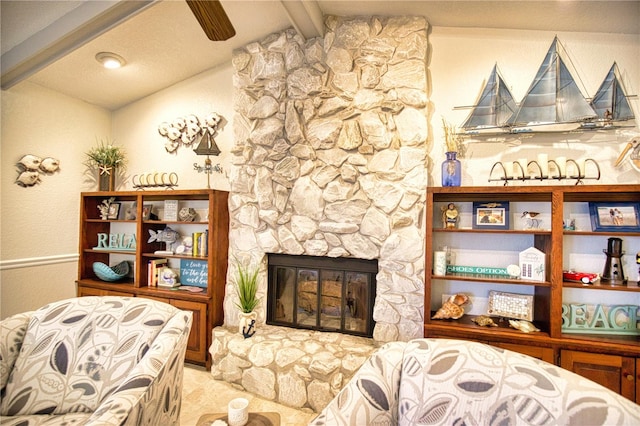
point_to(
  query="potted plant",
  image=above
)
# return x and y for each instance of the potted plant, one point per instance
(246, 281)
(107, 158)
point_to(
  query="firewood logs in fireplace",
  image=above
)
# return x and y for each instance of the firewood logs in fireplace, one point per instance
(331, 297)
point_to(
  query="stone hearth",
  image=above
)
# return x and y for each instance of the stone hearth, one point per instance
(298, 368)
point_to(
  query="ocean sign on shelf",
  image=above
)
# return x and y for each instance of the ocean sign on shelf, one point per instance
(125, 242)
(600, 319)
(194, 272)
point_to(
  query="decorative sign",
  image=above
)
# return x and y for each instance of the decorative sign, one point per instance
(194, 272)
(478, 270)
(600, 319)
(171, 210)
(511, 305)
(125, 242)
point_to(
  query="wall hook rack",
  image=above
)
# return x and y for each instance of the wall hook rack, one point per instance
(539, 174)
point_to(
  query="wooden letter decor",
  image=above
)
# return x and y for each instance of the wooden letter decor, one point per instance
(600, 319)
(126, 242)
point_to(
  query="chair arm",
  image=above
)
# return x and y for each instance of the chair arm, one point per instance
(371, 396)
(12, 331)
(151, 393)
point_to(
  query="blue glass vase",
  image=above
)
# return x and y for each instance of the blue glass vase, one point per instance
(451, 170)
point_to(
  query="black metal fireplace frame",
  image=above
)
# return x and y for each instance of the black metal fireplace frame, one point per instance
(306, 262)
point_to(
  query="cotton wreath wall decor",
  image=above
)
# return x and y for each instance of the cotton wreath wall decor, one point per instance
(186, 130)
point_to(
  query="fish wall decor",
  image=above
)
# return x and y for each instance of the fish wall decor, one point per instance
(30, 167)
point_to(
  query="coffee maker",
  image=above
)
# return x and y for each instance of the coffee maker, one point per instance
(613, 273)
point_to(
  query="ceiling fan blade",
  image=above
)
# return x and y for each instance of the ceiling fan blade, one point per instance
(212, 18)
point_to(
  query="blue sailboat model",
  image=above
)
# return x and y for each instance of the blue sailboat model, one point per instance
(493, 109)
(611, 104)
(553, 102)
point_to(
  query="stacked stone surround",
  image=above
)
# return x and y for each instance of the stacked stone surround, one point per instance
(330, 157)
(330, 160)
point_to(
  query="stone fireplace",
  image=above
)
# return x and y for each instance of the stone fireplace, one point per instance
(330, 157)
(329, 161)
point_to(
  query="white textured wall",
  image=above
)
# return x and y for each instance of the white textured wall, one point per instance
(43, 221)
(136, 127)
(462, 60)
(39, 224)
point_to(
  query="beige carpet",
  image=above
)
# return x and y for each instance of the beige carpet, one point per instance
(203, 395)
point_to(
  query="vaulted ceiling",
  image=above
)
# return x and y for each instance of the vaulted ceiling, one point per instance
(54, 43)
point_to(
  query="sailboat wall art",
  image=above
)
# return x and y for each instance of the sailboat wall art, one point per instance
(610, 102)
(553, 103)
(494, 108)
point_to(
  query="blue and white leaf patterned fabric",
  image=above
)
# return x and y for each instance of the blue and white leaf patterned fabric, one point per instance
(12, 331)
(79, 353)
(454, 382)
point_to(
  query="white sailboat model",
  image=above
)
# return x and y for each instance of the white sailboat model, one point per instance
(494, 107)
(610, 103)
(553, 102)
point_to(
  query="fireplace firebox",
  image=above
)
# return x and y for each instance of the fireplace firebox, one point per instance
(322, 293)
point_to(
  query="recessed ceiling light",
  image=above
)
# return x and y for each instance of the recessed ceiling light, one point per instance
(110, 60)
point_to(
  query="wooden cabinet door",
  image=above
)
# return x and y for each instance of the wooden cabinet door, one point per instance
(545, 354)
(197, 345)
(90, 291)
(615, 372)
(638, 381)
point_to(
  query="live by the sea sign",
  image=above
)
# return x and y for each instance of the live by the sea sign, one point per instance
(600, 319)
(194, 272)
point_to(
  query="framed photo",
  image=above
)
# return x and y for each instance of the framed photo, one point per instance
(617, 217)
(146, 211)
(491, 215)
(114, 210)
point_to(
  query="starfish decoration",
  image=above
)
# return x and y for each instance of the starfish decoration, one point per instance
(104, 169)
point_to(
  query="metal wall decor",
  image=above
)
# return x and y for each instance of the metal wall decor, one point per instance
(155, 180)
(189, 129)
(31, 167)
(539, 169)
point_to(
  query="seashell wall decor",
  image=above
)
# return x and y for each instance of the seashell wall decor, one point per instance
(30, 167)
(186, 130)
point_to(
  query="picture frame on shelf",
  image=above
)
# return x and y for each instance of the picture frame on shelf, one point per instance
(490, 215)
(130, 212)
(114, 211)
(615, 216)
(146, 211)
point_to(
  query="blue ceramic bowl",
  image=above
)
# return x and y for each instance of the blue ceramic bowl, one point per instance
(107, 273)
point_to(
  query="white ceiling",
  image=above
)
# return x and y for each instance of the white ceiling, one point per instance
(54, 43)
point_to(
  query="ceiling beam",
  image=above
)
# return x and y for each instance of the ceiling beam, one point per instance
(71, 31)
(305, 16)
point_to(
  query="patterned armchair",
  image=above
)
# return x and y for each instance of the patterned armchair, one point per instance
(454, 382)
(93, 361)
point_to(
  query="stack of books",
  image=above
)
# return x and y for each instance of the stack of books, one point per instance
(155, 265)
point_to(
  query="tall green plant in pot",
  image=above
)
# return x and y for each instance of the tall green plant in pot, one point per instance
(247, 291)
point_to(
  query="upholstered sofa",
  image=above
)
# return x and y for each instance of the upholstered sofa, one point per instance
(93, 361)
(454, 382)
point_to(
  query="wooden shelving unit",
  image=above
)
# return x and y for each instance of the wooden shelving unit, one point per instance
(612, 360)
(213, 217)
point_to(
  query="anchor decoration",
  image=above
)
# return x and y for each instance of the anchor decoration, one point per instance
(246, 330)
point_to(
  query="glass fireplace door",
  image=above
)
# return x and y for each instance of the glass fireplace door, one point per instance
(322, 296)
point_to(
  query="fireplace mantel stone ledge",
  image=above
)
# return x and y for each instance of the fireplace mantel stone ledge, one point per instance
(303, 369)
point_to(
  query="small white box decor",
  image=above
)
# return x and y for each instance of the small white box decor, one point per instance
(532, 265)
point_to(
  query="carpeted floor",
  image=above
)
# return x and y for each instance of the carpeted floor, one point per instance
(201, 394)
